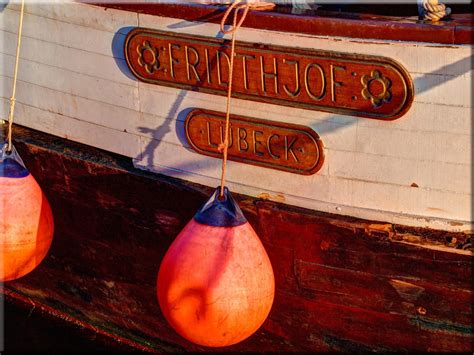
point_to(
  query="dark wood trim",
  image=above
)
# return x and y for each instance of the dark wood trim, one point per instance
(457, 31)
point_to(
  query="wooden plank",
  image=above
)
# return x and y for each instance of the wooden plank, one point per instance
(109, 20)
(63, 33)
(71, 59)
(344, 327)
(415, 202)
(430, 117)
(445, 90)
(77, 130)
(444, 147)
(77, 84)
(64, 104)
(409, 297)
(436, 175)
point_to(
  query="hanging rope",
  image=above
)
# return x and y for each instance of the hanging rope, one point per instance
(236, 7)
(15, 75)
(433, 10)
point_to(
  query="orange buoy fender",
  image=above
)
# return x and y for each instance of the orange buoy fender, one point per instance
(216, 284)
(26, 220)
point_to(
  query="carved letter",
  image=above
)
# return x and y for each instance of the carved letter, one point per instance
(244, 67)
(219, 75)
(208, 66)
(172, 60)
(322, 93)
(269, 144)
(289, 148)
(264, 75)
(242, 138)
(335, 83)
(297, 78)
(192, 66)
(213, 145)
(231, 140)
(257, 142)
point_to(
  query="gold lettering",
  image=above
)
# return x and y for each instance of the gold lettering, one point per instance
(322, 93)
(297, 78)
(244, 67)
(191, 66)
(208, 66)
(219, 74)
(269, 146)
(335, 83)
(289, 148)
(172, 60)
(257, 142)
(209, 141)
(242, 138)
(271, 75)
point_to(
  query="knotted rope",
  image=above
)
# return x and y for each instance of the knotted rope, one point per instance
(236, 6)
(15, 75)
(433, 10)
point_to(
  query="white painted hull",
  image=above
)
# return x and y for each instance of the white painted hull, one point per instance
(416, 170)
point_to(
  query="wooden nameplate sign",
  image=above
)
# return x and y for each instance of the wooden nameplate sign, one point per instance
(341, 83)
(282, 146)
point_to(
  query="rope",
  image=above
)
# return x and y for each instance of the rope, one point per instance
(225, 145)
(434, 11)
(15, 75)
(236, 7)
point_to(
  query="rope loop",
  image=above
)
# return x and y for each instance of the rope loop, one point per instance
(237, 5)
(246, 5)
(433, 10)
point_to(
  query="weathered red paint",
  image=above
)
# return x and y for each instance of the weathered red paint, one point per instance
(457, 30)
(342, 284)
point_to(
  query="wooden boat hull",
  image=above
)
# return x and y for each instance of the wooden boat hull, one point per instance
(341, 283)
(371, 252)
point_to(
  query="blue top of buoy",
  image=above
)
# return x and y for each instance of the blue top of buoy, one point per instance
(10, 168)
(221, 212)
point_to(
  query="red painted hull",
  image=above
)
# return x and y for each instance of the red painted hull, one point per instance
(341, 284)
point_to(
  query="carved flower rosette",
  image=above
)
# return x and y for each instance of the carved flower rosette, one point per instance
(376, 88)
(148, 57)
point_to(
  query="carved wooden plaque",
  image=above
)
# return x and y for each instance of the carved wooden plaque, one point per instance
(282, 146)
(343, 83)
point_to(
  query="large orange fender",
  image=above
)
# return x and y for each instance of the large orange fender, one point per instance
(26, 221)
(216, 284)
